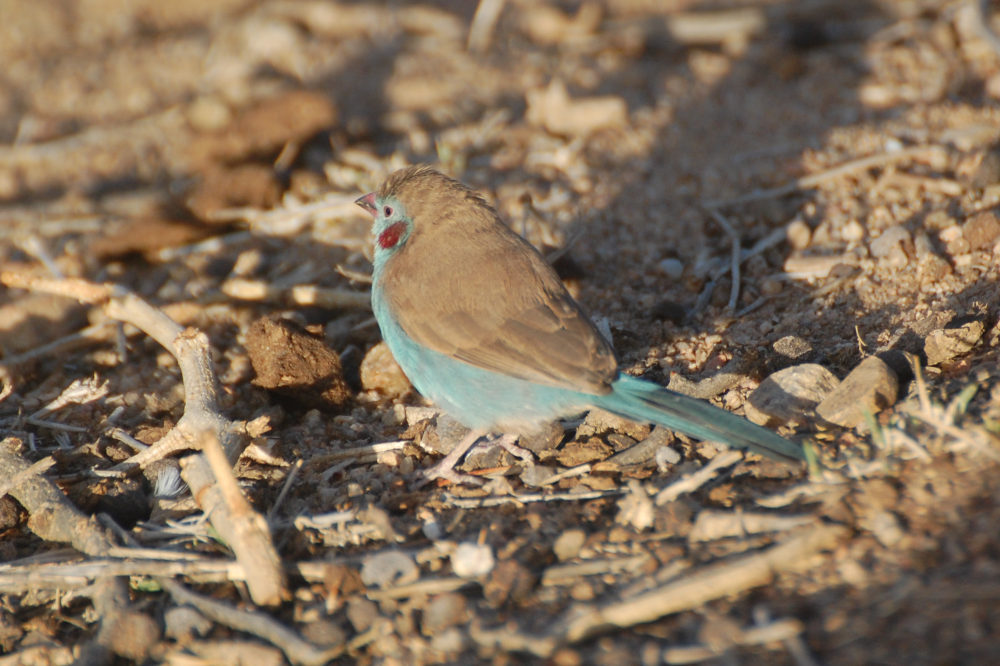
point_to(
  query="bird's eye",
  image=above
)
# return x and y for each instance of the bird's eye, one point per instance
(387, 211)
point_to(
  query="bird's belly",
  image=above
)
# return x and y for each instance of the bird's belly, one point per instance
(480, 399)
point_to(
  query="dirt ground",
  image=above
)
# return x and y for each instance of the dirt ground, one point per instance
(204, 157)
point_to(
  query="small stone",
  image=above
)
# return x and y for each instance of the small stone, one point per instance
(870, 387)
(886, 528)
(568, 544)
(792, 346)
(672, 268)
(945, 344)
(988, 171)
(535, 476)
(389, 567)
(799, 234)
(771, 286)
(324, 632)
(982, 230)
(442, 612)
(644, 450)
(636, 508)
(790, 395)
(954, 241)
(133, 635)
(894, 246)
(510, 581)
(183, 623)
(472, 560)
(666, 458)
(939, 220)
(853, 232)
(578, 453)
(361, 613)
(381, 373)
(545, 439)
(449, 641)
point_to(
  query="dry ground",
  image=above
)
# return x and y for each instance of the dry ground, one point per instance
(204, 156)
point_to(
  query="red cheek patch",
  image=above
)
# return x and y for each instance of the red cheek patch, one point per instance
(390, 237)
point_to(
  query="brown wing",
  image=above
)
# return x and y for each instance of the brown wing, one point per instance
(490, 299)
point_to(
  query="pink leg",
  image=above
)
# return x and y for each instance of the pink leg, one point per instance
(446, 468)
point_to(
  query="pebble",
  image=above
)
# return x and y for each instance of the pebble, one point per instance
(982, 230)
(472, 560)
(872, 386)
(133, 635)
(182, 623)
(944, 344)
(894, 246)
(535, 476)
(361, 613)
(799, 234)
(381, 373)
(510, 581)
(449, 641)
(792, 346)
(954, 241)
(442, 612)
(389, 567)
(790, 395)
(816, 266)
(886, 528)
(672, 268)
(666, 458)
(853, 232)
(568, 544)
(324, 632)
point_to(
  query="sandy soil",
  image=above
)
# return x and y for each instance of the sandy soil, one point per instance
(206, 155)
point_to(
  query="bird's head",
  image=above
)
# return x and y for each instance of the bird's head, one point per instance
(392, 227)
(416, 201)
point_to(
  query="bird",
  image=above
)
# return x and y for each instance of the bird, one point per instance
(484, 328)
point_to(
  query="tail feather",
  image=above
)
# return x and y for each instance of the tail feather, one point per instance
(646, 402)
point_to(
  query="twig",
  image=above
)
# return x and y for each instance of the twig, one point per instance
(245, 531)
(286, 486)
(812, 180)
(484, 502)
(259, 624)
(484, 22)
(37, 469)
(694, 589)
(734, 268)
(51, 515)
(697, 479)
(563, 573)
(303, 294)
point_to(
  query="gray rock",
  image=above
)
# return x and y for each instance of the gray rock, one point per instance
(790, 395)
(945, 344)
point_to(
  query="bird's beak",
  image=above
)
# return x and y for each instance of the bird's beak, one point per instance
(367, 202)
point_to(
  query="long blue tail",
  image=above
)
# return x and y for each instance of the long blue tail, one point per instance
(646, 402)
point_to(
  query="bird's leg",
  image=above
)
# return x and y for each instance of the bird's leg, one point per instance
(506, 442)
(446, 468)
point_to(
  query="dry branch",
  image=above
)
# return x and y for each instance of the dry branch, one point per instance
(249, 538)
(712, 582)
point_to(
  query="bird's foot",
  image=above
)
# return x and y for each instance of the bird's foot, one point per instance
(446, 468)
(506, 442)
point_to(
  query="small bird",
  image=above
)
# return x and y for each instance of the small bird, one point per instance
(484, 328)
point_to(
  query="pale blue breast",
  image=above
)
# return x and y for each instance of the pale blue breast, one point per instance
(478, 398)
